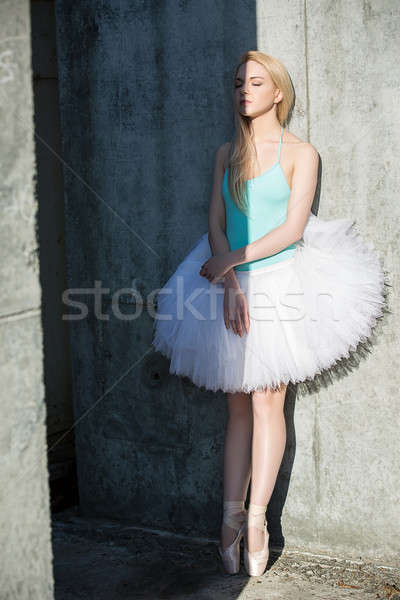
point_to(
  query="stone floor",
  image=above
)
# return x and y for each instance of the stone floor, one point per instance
(105, 560)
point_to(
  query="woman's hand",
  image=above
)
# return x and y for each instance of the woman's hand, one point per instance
(216, 267)
(236, 310)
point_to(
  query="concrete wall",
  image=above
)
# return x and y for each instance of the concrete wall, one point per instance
(145, 101)
(50, 191)
(343, 491)
(25, 565)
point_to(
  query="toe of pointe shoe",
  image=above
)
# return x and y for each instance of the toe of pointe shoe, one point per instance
(231, 555)
(256, 562)
(255, 566)
(231, 565)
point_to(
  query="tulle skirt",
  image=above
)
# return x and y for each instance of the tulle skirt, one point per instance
(306, 312)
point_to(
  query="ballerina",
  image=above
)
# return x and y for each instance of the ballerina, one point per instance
(270, 294)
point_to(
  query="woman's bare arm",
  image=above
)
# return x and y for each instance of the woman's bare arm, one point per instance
(216, 214)
(304, 183)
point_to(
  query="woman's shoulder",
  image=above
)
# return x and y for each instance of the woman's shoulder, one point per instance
(299, 147)
(223, 154)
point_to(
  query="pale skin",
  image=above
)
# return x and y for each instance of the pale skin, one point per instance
(256, 430)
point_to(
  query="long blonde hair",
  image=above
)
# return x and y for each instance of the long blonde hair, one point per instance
(242, 149)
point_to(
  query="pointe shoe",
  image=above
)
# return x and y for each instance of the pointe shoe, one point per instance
(233, 517)
(256, 562)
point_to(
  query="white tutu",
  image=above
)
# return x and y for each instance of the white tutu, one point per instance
(306, 312)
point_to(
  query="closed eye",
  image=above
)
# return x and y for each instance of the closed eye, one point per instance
(256, 84)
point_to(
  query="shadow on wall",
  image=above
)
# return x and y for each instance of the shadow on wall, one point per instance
(51, 238)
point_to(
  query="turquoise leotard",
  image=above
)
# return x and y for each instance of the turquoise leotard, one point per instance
(268, 197)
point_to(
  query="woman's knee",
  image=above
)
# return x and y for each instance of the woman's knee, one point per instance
(239, 405)
(269, 402)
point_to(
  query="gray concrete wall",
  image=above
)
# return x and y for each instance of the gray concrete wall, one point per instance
(50, 191)
(145, 101)
(343, 492)
(26, 555)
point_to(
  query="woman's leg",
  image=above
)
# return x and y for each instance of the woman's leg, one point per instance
(268, 446)
(237, 455)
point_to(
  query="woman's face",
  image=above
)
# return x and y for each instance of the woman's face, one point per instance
(255, 92)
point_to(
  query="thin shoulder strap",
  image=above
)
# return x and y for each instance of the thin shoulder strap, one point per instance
(280, 145)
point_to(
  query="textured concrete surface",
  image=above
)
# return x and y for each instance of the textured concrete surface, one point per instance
(145, 101)
(96, 558)
(344, 487)
(50, 191)
(25, 558)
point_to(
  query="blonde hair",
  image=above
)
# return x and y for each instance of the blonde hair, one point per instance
(242, 149)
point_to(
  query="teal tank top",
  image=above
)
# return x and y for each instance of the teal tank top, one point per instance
(268, 197)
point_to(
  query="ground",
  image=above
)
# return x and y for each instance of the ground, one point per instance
(106, 560)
